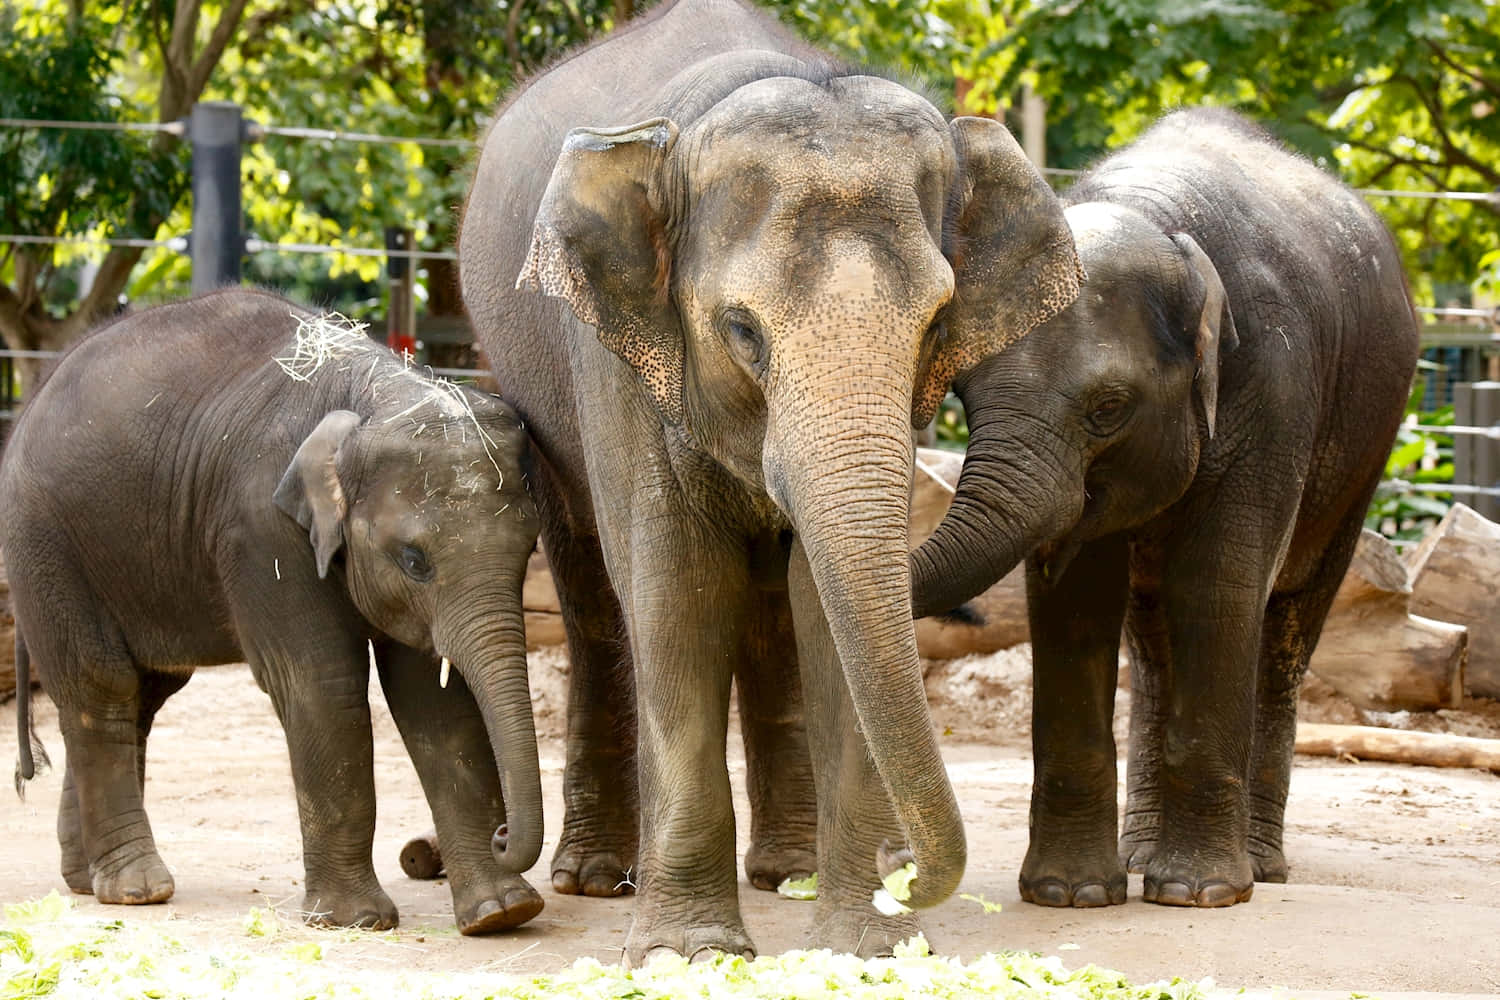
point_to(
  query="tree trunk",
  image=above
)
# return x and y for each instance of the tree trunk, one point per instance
(1398, 745)
(8, 641)
(1379, 655)
(1455, 576)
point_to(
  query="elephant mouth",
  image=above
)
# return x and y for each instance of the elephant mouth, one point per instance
(1053, 557)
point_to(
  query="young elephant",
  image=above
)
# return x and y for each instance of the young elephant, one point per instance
(1189, 448)
(233, 478)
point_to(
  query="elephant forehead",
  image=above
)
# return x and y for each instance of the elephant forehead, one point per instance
(853, 287)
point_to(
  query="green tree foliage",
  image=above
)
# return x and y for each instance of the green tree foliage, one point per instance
(1390, 95)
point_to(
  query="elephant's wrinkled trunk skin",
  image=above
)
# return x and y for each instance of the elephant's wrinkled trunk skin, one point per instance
(486, 643)
(841, 471)
(1013, 496)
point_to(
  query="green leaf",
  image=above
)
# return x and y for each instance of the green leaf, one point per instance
(802, 888)
(985, 904)
(898, 883)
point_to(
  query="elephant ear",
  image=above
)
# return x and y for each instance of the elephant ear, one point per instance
(310, 491)
(1206, 322)
(600, 241)
(1014, 264)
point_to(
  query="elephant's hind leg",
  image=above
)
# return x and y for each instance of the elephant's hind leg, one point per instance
(1294, 620)
(102, 793)
(778, 765)
(442, 729)
(155, 689)
(596, 852)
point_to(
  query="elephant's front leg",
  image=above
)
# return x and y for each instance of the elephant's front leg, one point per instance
(778, 769)
(1214, 589)
(319, 685)
(686, 600)
(450, 748)
(1073, 859)
(856, 821)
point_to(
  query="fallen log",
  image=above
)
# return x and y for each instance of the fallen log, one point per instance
(421, 858)
(1398, 746)
(1455, 576)
(1379, 655)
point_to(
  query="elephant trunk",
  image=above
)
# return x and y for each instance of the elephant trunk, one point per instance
(1012, 496)
(487, 645)
(844, 478)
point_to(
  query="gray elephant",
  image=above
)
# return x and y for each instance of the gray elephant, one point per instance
(1188, 449)
(234, 478)
(755, 294)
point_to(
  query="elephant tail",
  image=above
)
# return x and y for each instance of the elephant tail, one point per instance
(31, 748)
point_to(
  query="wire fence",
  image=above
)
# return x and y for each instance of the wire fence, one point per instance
(1465, 328)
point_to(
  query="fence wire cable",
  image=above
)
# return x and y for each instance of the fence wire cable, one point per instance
(171, 128)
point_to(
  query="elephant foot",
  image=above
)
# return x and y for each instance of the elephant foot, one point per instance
(768, 865)
(371, 911)
(420, 857)
(511, 903)
(1083, 893)
(648, 942)
(139, 882)
(859, 929)
(1268, 864)
(599, 871)
(1267, 860)
(1138, 846)
(1197, 884)
(78, 878)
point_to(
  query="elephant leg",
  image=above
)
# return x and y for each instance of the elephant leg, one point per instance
(687, 595)
(1215, 582)
(318, 680)
(75, 860)
(596, 852)
(155, 689)
(101, 807)
(1294, 620)
(1146, 633)
(778, 768)
(1073, 858)
(450, 748)
(857, 823)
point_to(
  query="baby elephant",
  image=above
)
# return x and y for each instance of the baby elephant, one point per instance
(233, 478)
(1189, 450)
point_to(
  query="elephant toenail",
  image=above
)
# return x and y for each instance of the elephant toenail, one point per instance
(1220, 894)
(1173, 894)
(1049, 892)
(1091, 894)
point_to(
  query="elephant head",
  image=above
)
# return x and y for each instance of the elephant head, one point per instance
(1095, 421)
(794, 276)
(428, 502)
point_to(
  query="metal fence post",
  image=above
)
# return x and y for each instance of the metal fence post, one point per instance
(216, 130)
(401, 310)
(1476, 460)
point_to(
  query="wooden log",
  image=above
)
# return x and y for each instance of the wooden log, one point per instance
(1398, 746)
(999, 620)
(1379, 655)
(1455, 576)
(543, 613)
(421, 858)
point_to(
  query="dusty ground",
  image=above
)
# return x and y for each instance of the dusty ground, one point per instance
(1396, 869)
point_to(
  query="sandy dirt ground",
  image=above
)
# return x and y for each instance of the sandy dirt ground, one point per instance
(1396, 869)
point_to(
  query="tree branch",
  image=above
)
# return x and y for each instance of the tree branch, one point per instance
(1473, 74)
(203, 66)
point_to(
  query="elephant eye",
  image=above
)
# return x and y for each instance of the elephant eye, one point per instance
(745, 340)
(413, 562)
(1109, 412)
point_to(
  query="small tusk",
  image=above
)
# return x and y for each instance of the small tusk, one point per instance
(443, 673)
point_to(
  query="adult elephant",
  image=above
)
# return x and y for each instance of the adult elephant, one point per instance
(1189, 449)
(750, 296)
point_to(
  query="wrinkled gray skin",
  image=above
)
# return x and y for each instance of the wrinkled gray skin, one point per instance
(1188, 449)
(737, 295)
(174, 498)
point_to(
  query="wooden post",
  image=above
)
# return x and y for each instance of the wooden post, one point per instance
(1476, 460)
(401, 310)
(216, 130)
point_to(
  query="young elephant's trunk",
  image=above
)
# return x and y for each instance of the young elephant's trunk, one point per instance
(488, 647)
(1013, 495)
